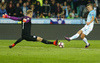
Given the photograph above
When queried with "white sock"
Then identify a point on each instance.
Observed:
(74, 36)
(85, 40)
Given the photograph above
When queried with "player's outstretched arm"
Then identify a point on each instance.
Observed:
(10, 17)
(96, 20)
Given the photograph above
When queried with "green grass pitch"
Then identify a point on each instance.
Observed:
(37, 52)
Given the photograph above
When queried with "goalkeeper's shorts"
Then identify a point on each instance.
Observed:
(30, 38)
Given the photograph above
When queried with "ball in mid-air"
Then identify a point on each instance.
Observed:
(61, 44)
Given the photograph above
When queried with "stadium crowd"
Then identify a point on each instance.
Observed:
(69, 9)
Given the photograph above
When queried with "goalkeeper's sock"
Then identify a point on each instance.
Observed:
(85, 40)
(46, 42)
(19, 40)
(13, 45)
(74, 36)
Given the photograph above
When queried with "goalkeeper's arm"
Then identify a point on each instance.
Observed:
(15, 18)
(10, 17)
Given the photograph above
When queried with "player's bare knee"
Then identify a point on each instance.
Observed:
(79, 32)
(39, 39)
(81, 37)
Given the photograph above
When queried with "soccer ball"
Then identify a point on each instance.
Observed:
(61, 44)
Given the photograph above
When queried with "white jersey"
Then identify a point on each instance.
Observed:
(88, 28)
(89, 18)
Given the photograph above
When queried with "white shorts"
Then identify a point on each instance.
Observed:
(86, 29)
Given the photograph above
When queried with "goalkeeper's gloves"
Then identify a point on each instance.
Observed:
(5, 16)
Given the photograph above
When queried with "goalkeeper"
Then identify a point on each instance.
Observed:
(26, 30)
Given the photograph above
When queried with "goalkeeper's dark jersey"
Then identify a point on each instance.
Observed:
(26, 26)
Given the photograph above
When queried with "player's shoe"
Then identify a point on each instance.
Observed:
(67, 38)
(11, 45)
(55, 42)
(87, 46)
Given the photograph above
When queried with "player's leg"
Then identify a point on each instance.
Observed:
(35, 38)
(19, 40)
(74, 36)
(85, 33)
(85, 40)
(47, 42)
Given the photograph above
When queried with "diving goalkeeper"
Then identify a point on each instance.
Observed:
(26, 30)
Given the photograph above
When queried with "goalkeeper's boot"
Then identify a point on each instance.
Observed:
(11, 45)
(55, 42)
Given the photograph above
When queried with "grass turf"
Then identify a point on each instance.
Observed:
(37, 52)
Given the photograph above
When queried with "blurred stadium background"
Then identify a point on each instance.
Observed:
(73, 12)
(68, 9)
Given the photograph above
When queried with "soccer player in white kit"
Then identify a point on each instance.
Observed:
(87, 28)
